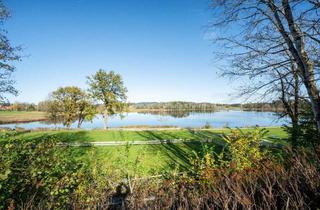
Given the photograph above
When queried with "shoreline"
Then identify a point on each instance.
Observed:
(139, 128)
(2, 122)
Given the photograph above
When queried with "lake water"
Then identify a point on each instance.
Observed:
(185, 119)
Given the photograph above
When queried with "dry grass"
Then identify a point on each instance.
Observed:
(293, 184)
(21, 116)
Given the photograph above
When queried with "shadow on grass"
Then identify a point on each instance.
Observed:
(154, 135)
(67, 136)
(178, 154)
(205, 135)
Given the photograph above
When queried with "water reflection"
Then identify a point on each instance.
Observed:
(171, 113)
(179, 118)
(54, 121)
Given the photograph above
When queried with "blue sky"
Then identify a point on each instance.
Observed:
(160, 47)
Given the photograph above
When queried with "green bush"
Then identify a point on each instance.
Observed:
(203, 161)
(38, 169)
(243, 148)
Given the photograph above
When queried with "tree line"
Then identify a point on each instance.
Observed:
(19, 106)
(274, 106)
(175, 105)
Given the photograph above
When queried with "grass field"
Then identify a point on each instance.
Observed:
(141, 159)
(142, 135)
(21, 116)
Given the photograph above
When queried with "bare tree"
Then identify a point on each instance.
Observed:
(265, 37)
(7, 56)
(289, 89)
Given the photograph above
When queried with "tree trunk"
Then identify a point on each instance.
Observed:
(105, 121)
(295, 118)
(313, 94)
(79, 123)
(295, 132)
(296, 45)
(304, 63)
(291, 109)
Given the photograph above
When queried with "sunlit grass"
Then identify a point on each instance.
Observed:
(141, 159)
(143, 135)
(21, 116)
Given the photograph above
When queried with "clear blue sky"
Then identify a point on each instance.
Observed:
(159, 47)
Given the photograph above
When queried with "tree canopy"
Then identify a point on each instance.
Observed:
(70, 104)
(108, 88)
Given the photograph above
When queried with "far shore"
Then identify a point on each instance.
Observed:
(11, 117)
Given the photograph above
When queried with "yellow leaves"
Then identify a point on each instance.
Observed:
(203, 162)
(244, 148)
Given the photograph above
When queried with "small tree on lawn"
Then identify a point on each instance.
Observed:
(71, 104)
(108, 88)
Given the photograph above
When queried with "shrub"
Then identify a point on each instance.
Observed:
(207, 126)
(38, 170)
(243, 149)
(202, 161)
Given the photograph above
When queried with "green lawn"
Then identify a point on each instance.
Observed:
(142, 135)
(140, 159)
(21, 116)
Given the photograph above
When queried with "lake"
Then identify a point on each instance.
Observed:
(180, 119)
